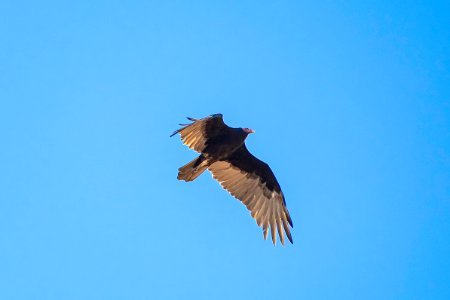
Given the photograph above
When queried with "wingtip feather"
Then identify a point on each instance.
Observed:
(290, 239)
(280, 231)
(289, 218)
(286, 229)
(273, 233)
(289, 236)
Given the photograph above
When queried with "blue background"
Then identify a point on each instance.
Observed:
(351, 106)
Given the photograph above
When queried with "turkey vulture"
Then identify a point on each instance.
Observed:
(223, 152)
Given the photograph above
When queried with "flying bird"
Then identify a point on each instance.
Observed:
(223, 152)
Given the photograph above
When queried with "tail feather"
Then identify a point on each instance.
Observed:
(193, 169)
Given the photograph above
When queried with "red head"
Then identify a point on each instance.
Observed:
(248, 130)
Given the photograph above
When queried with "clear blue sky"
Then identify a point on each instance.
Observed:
(350, 101)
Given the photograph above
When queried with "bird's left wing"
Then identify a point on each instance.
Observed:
(252, 182)
(196, 134)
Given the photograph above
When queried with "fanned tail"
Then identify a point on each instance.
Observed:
(193, 169)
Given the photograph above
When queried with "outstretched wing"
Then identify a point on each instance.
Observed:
(196, 135)
(252, 182)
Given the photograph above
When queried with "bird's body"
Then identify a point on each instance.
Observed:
(223, 152)
(221, 146)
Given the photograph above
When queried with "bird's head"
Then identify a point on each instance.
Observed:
(248, 130)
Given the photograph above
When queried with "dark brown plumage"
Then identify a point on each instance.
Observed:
(223, 152)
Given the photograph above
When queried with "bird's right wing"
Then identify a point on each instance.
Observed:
(252, 182)
(195, 135)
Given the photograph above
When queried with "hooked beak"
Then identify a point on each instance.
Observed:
(248, 130)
